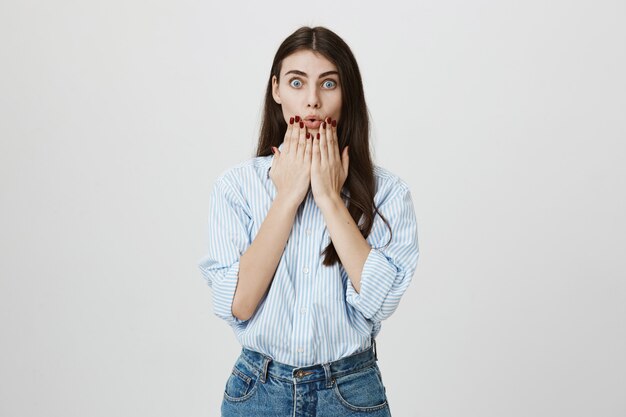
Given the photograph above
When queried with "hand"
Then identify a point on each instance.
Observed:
(329, 170)
(291, 167)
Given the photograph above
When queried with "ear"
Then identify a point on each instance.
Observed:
(275, 92)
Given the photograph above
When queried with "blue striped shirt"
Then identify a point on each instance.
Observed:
(311, 313)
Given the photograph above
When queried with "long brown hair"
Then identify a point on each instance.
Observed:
(353, 127)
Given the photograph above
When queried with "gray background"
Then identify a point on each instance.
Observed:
(506, 118)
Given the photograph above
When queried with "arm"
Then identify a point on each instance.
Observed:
(258, 264)
(290, 174)
(378, 276)
(329, 171)
(239, 271)
(388, 269)
(228, 225)
(350, 245)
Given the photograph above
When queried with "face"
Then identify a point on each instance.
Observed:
(309, 88)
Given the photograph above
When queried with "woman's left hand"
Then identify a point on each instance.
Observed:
(329, 168)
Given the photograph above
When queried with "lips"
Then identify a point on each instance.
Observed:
(312, 121)
(312, 124)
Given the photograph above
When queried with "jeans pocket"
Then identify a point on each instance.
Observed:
(241, 384)
(362, 390)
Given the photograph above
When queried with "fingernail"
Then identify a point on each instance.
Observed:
(274, 150)
(334, 123)
(318, 135)
(308, 135)
(323, 125)
(301, 125)
(291, 121)
(297, 119)
(328, 119)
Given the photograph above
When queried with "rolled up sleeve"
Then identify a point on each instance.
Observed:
(228, 239)
(390, 265)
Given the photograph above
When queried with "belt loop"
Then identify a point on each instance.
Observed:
(329, 379)
(266, 364)
(374, 349)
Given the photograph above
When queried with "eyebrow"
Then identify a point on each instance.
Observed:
(324, 74)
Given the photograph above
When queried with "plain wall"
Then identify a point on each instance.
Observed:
(506, 119)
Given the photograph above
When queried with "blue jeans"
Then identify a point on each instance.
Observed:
(260, 386)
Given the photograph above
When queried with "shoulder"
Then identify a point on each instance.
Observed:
(389, 185)
(245, 173)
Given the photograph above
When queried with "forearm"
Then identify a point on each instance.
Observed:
(350, 245)
(258, 264)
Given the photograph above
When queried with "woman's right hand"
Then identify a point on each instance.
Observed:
(291, 167)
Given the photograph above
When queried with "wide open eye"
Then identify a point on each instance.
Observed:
(329, 83)
(294, 82)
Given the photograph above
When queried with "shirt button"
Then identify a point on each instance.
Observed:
(300, 350)
(302, 310)
(308, 232)
(305, 270)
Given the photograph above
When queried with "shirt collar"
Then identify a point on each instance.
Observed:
(267, 161)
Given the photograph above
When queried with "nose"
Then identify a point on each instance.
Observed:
(313, 98)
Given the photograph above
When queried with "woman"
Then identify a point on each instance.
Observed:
(311, 246)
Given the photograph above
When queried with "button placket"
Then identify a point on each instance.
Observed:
(307, 235)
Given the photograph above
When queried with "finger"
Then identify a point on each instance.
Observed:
(336, 140)
(315, 151)
(298, 131)
(333, 146)
(302, 140)
(323, 146)
(327, 142)
(345, 160)
(308, 150)
(286, 139)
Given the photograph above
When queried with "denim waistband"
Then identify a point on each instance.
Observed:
(298, 375)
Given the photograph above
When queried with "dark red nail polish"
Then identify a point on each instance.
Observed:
(308, 135)
(318, 135)
(291, 121)
(274, 150)
(297, 119)
(301, 125)
(334, 123)
(323, 125)
(328, 119)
